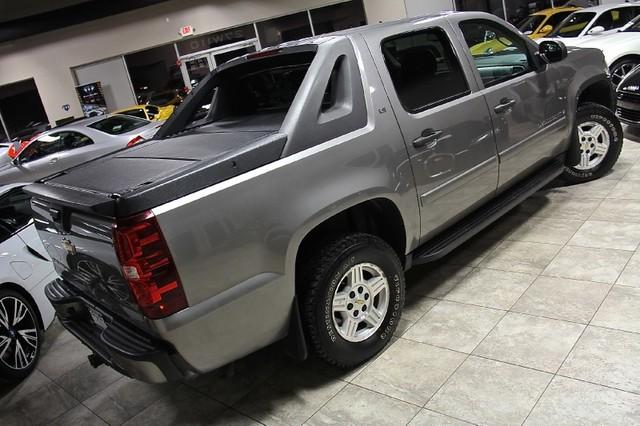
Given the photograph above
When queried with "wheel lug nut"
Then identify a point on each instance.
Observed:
(355, 313)
(360, 290)
(352, 294)
(364, 308)
(350, 306)
(366, 296)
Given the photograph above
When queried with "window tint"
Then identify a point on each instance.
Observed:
(615, 18)
(505, 59)
(119, 124)
(53, 143)
(15, 211)
(424, 69)
(531, 24)
(557, 18)
(573, 25)
(138, 112)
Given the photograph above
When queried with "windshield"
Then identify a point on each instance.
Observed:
(633, 26)
(119, 124)
(531, 24)
(573, 25)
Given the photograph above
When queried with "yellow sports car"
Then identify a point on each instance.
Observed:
(148, 112)
(537, 25)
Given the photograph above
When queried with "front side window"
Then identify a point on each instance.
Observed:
(555, 19)
(424, 69)
(531, 24)
(616, 18)
(573, 25)
(15, 211)
(42, 147)
(500, 63)
(73, 140)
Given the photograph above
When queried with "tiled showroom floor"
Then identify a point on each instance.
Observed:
(536, 321)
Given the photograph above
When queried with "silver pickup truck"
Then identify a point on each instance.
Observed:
(289, 193)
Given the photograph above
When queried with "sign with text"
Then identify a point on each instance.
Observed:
(187, 30)
(220, 38)
(92, 99)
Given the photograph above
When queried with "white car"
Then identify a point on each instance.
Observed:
(595, 21)
(25, 268)
(621, 49)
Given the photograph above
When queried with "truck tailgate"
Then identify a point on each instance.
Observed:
(81, 248)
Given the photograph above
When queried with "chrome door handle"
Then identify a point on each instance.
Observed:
(429, 137)
(505, 105)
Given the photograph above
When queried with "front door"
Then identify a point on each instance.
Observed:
(527, 106)
(445, 124)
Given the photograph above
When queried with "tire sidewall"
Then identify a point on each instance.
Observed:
(611, 124)
(9, 374)
(328, 335)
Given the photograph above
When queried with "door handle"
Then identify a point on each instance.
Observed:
(429, 136)
(53, 160)
(505, 105)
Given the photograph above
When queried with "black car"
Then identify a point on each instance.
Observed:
(628, 109)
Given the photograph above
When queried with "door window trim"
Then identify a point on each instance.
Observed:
(456, 56)
(481, 83)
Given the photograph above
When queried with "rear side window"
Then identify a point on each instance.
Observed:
(119, 124)
(424, 69)
(557, 18)
(616, 18)
(263, 86)
(573, 25)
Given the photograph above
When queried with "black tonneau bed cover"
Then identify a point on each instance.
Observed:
(137, 179)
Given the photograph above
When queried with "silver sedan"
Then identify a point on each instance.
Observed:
(66, 146)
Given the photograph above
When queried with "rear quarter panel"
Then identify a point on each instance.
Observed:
(235, 243)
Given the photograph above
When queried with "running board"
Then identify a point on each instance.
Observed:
(445, 242)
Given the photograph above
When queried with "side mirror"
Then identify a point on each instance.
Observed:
(596, 30)
(528, 32)
(553, 51)
(546, 29)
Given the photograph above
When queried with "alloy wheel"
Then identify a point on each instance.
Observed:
(620, 72)
(594, 143)
(360, 302)
(18, 334)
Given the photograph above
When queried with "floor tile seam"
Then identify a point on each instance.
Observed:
(610, 289)
(67, 410)
(578, 379)
(464, 361)
(327, 401)
(447, 415)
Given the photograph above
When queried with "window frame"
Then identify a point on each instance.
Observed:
(498, 81)
(456, 56)
(13, 232)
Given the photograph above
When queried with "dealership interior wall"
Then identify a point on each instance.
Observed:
(106, 50)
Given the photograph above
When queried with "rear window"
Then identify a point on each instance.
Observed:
(138, 112)
(263, 86)
(119, 124)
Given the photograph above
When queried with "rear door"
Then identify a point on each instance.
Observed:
(527, 103)
(445, 122)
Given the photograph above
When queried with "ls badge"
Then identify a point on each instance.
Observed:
(69, 247)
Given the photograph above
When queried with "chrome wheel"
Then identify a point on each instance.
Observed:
(18, 334)
(594, 144)
(620, 72)
(360, 302)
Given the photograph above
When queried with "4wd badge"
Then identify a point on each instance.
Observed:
(69, 247)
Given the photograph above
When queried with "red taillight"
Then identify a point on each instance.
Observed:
(135, 141)
(148, 266)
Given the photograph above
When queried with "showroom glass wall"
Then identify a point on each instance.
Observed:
(21, 110)
(160, 73)
(515, 11)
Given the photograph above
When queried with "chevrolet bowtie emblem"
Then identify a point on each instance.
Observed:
(69, 247)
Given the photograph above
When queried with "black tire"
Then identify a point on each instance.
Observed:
(621, 67)
(591, 112)
(9, 373)
(323, 276)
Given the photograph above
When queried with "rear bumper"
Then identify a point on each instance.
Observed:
(114, 341)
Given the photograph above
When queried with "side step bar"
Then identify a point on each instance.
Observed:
(445, 242)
